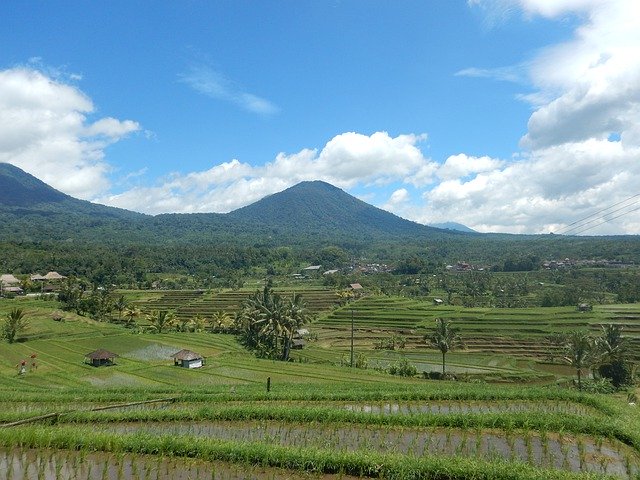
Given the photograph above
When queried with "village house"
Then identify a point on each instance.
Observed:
(10, 284)
(187, 359)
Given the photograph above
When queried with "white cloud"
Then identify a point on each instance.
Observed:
(205, 80)
(45, 131)
(545, 191)
(397, 200)
(583, 139)
(506, 74)
(346, 160)
(587, 87)
(461, 165)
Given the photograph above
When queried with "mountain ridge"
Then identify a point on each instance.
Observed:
(306, 212)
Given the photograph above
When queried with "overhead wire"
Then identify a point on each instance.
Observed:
(582, 225)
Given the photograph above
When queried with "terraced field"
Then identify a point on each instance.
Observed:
(401, 431)
(146, 418)
(189, 304)
(517, 332)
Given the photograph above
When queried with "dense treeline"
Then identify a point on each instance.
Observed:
(129, 264)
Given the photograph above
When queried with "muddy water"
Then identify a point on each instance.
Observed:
(65, 465)
(579, 453)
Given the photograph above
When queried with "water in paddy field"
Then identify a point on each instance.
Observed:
(576, 453)
(18, 464)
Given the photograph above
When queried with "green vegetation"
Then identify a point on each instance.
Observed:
(267, 323)
(14, 324)
(445, 338)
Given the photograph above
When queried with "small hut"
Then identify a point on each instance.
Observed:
(187, 359)
(585, 307)
(100, 357)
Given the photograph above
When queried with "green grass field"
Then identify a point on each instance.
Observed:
(508, 416)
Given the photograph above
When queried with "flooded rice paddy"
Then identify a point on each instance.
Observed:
(19, 464)
(577, 453)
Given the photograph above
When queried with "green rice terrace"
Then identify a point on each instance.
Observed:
(512, 413)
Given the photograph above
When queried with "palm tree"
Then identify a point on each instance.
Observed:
(268, 323)
(15, 322)
(580, 353)
(445, 338)
(614, 362)
(220, 321)
(296, 315)
(161, 319)
(121, 304)
(131, 313)
(613, 346)
(199, 323)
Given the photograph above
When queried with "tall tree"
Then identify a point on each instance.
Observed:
(296, 315)
(131, 313)
(445, 338)
(268, 322)
(14, 324)
(121, 304)
(614, 362)
(580, 352)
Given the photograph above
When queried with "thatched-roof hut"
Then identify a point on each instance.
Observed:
(188, 359)
(100, 357)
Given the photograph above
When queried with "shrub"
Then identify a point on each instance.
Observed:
(403, 368)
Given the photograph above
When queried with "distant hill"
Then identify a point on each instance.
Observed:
(307, 213)
(23, 193)
(458, 227)
(32, 210)
(320, 209)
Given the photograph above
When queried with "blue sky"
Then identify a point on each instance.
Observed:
(518, 116)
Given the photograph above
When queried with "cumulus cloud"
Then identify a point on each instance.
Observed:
(397, 200)
(205, 80)
(544, 191)
(45, 131)
(346, 160)
(461, 165)
(582, 146)
(593, 80)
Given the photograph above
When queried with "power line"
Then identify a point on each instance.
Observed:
(607, 220)
(600, 215)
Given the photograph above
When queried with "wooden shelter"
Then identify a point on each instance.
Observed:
(187, 359)
(100, 357)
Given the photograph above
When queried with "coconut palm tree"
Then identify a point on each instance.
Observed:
(131, 313)
(268, 323)
(15, 323)
(220, 321)
(121, 304)
(445, 338)
(296, 315)
(161, 320)
(580, 352)
(614, 362)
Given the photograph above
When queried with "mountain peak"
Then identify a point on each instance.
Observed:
(319, 208)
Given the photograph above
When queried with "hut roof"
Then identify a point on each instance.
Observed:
(185, 354)
(54, 276)
(8, 279)
(356, 286)
(101, 354)
(36, 277)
